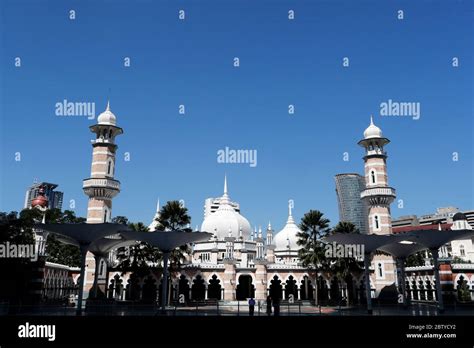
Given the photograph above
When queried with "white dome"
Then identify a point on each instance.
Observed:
(225, 218)
(372, 131)
(107, 117)
(286, 239)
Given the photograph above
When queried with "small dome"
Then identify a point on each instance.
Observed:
(459, 217)
(287, 239)
(107, 117)
(372, 131)
(40, 201)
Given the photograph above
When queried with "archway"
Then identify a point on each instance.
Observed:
(198, 290)
(214, 288)
(275, 288)
(306, 289)
(183, 287)
(149, 290)
(245, 288)
(291, 288)
(335, 291)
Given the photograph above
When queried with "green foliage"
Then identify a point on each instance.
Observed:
(415, 260)
(313, 227)
(463, 290)
(345, 227)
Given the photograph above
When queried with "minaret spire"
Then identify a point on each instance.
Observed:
(158, 205)
(108, 105)
(371, 120)
(225, 184)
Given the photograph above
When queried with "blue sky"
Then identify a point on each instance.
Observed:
(282, 62)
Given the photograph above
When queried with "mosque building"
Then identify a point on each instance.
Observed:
(237, 262)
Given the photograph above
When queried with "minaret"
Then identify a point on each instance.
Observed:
(101, 187)
(377, 194)
(269, 235)
(154, 224)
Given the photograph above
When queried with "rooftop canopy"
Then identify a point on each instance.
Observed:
(166, 241)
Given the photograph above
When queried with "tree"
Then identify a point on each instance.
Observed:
(57, 252)
(345, 227)
(313, 227)
(344, 267)
(138, 258)
(174, 216)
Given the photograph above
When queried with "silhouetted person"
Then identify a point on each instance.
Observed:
(251, 306)
(269, 305)
(276, 307)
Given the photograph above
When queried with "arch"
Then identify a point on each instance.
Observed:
(291, 287)
(183, 287)
(275, 288)
(198, 289)
(245, 288)
(214, 288)
(306, 288)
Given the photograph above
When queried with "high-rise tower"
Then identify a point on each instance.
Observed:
(101, 187)
(352, 208)
(377, 194)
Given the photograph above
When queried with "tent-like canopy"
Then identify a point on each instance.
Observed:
(83, 235)
(401, 246)
(166, 241)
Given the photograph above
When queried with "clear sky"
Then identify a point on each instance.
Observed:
(282, 62)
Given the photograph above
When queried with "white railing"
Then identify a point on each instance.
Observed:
(385, 191)
(99, 182)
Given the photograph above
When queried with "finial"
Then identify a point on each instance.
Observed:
(158, 205)
(108, 105)
(225, 184)
(371, 120)
(269, 225)
(290, 205)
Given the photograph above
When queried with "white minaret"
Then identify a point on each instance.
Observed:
(378, 195)
(154, 224)
(101, 187)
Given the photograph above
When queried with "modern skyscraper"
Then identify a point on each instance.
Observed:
(55, 198)
(351, 207)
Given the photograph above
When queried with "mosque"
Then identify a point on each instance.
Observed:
(237, 262)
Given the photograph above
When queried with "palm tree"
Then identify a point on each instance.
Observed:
(138, 258)
(174, 216)
(343, 268)
(313, 227)
(345, 227)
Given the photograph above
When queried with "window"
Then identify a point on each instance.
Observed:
(461, 250)
(380, 269)
(376, 222)
(105, 215)
(372, 176)
(108, 168)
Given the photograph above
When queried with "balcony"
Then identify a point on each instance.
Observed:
(383, 196)
(101, 188)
